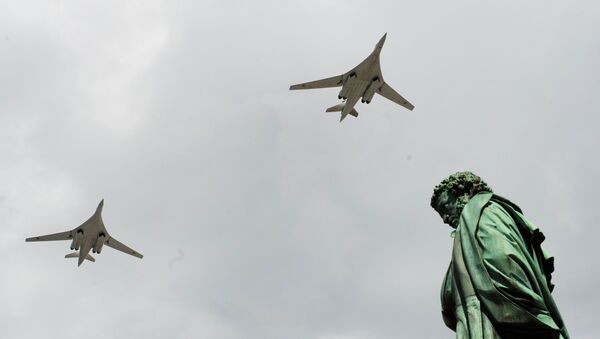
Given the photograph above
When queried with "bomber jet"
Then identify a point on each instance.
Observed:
(361, 82)
(91, 235)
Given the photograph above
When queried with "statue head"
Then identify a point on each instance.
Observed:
(453, 193)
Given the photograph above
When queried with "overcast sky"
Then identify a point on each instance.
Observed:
(259, 215)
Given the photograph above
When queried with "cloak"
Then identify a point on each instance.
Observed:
(498, 284)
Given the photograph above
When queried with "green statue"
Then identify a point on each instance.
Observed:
(498, 283)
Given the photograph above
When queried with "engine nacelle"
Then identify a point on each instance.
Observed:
(370, 92)
(77, 239)
(348, 80)
(343, 93)
(99, 243)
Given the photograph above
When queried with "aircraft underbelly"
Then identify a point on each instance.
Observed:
(365, 76)
(356, 87)
(84, 251)
(355, 94)
(368, 71)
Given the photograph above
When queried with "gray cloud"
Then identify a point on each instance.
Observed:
(293, 225)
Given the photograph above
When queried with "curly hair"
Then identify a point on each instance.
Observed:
(462, 184)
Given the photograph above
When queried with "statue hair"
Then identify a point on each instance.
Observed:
(463, 185)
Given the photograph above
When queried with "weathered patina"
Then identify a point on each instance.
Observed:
(498, 284)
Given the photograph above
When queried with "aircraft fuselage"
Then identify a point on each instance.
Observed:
(91, 235)
(361, 82)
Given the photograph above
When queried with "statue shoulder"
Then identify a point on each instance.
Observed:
(497, 217)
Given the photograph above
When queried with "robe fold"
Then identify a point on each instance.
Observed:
(498, 284)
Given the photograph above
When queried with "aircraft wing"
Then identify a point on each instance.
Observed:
(117, 245)
(68, 235)
(390, 94)
(335, 81)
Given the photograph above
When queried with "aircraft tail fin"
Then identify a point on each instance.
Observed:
(340, 108)
(76, 255)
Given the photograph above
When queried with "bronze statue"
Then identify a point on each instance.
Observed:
(498, 283)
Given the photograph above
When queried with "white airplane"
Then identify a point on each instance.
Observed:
(90, 235)
(363, 81)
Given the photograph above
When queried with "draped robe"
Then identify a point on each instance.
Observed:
(498, 284)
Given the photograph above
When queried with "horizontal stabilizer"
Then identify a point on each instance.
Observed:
(336, 108)
(340, 108)
(76, 255)
(353, 113)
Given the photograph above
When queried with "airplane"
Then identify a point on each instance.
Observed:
(91, 235)
(363, 81)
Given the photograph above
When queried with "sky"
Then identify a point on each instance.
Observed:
(259, 215)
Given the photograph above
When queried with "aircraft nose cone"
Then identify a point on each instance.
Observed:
(100, 206)
(379, 45)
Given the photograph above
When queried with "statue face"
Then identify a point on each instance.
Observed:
(449, 207)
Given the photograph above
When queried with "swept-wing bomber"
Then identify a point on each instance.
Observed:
(91, 235)
(361, 82)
